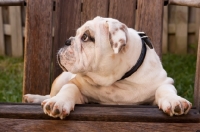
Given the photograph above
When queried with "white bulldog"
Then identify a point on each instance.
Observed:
(109, 63)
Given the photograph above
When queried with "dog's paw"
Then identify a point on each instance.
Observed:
(174, 105)
(33, 98)
(57, 107)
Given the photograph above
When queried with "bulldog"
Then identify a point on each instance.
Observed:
(109, 63)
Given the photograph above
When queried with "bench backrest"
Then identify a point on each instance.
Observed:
(61, 18)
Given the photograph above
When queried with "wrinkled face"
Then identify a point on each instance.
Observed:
(92, 47)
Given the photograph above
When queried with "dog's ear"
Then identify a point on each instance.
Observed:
(117, 36)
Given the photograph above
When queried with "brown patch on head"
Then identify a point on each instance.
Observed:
(115, 45)
(116, 29)
(111, 41)
(123, 28)
(122, 41)
(123, 48)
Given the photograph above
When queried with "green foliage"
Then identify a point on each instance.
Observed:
(182, 69)
(11, 74)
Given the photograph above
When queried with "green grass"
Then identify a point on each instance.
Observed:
(180, 67)
(11, 74)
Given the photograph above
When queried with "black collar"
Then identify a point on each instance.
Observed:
(145, 41)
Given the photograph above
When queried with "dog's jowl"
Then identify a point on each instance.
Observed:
(109, 63)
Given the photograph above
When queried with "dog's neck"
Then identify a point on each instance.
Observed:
(125, 61)
(145, 41)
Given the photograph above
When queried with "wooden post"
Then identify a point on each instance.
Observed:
(192, 3)
(181, 29)
(68, 19)
(38, 47)
(197, 23)
(149, 19)
(197, 79)
(16, 31)
(2, 46)
(123, 11)
(93, 8)
(165, 31)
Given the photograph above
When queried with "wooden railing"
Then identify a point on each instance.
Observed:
(180, 32)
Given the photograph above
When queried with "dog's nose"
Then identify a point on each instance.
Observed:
(68, 42)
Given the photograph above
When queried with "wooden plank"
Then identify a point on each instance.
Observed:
(197, 79)
(16, 31)
(83, 126)
(90, 112)
(181, 21)
(67, 20)
(7, 30)
(2, 43)
(149, 19)
(124, 11)
(192, 3)
(12, 2)
(165, 31)
(93, 8)
(191, 29)
(38, 47)
(197, 26)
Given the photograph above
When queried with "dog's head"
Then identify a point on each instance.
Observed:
(93, 47)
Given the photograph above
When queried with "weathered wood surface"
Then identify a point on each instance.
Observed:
(165, 31)
(192, 3)
(2, 46)
(94, 117)
(197, 79)
(68, 16)
(181, 29)
(95, 112)
(22, 125)
(124, 11)
(149, 19)
(38, 47)
(93, 8)
(16, 31)
(12, 2)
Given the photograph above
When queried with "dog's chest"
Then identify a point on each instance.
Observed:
(126, 94)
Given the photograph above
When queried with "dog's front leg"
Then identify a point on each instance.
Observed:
(167, 99)
(61, 104)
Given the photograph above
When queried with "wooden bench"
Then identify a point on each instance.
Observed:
(60, 19)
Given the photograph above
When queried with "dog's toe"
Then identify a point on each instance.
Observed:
(175, 105)
(57, 108)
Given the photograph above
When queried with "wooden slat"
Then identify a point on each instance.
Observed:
(197, 79)
(124, 11)
(66, 22)
(16, 31)
(192, 3)
(90, 126)
(2, 46)
(191, 29)
(197, 24)
(165, 31)
(38, 46)
(93, 8)
(181, 29)
(12, 2)
(7, 30)
(149, 19)
(89, 112)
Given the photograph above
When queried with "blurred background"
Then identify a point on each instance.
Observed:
(179, 47)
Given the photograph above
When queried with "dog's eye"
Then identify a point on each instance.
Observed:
(84, 37)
